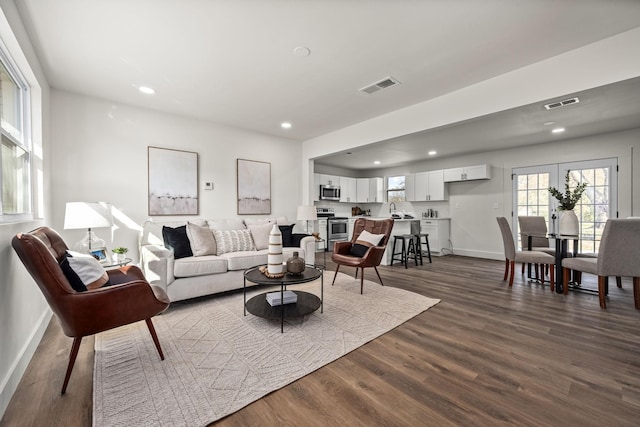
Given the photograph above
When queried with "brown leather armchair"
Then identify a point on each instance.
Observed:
(342, 250)
(129, 299)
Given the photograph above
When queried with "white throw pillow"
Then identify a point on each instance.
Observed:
(233, 241)
(260, 234)
(201, 239)
(88, 269)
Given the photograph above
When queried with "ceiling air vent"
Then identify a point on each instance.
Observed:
(562, 103)
(382, 84)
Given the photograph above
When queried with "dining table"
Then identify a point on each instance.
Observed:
(562, 251)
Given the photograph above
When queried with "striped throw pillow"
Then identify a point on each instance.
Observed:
(233, 241)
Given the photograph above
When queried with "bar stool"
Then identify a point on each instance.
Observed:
(407, 250)
(419, 242)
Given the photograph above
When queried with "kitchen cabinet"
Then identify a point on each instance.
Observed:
(438, 230)
(362, 190)
(376, 190)
(426, 186)
(369, 190)
(322, 229)
(333, 180)
(348, 189)
(467, 173)
(352, 221)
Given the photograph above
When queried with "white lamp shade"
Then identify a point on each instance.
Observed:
(87, 215)
(307, 213)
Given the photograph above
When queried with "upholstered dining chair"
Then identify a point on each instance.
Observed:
(619, 255)
(512, 256)
(363, 251)
(129, 299)
(537, 227)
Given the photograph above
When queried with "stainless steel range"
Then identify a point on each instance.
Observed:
(337, 230)
(337, 227)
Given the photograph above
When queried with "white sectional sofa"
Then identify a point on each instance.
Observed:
(214, 269)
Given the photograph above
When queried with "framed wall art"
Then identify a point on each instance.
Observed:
(254, 187)
(173, 182)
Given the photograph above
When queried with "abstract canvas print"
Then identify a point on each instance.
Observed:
(173, 182)
(254, 187)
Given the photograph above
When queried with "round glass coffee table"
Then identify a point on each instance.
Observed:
(306, 302)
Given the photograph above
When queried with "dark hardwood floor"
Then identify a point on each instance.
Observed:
(486, 355)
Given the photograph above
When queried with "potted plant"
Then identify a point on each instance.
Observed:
(566, 203)
(120, 251)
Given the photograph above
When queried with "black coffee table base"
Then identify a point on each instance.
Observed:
(306, 303)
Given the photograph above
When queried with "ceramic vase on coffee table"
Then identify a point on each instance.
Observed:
(274, 258)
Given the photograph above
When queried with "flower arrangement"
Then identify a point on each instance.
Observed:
(120, 250)
(569, 198)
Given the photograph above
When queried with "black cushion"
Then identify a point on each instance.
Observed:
(287, 235)
(358, 250)
(296, 238)
(176, 239)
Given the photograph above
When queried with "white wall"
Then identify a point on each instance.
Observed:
(101, 155)
(24, 313)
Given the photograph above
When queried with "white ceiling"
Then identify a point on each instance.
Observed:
(232, 61)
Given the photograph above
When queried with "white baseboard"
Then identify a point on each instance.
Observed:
(499, 256)
(19, 366)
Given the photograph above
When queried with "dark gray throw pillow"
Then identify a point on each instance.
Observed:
(177, 239)
(287, 235)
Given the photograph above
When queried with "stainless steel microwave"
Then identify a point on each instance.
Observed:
(329, 192)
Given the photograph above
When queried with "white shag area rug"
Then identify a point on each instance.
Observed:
(217, 360)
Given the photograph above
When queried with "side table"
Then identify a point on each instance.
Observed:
(112, 264)
(321, 244)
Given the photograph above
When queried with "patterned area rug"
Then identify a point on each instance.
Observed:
(217, 361)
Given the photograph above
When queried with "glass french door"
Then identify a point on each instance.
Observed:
(597, 205)
(531, 194)
(599, 202)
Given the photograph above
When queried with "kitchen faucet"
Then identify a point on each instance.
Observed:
(392, 207)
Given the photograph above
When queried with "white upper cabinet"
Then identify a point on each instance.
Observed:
(376, 190)
(348, 189)
(362, 191)
(426, 186)
(329, 180)
(467, 173)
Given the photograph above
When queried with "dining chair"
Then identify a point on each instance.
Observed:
(512, 255)
(619, 255)
(537, 228)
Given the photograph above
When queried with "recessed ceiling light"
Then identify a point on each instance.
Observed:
(285, 125)
(377, 162)
(558, 130)
(146, 90)
(432, 153)
(301, 51)
(549, 123)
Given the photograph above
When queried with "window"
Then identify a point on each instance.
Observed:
(396, 189)
(15, 153)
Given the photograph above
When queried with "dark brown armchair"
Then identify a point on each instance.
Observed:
(342, 251)
(129, 299)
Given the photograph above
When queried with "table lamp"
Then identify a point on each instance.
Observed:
(307, 213)
(88, 215)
